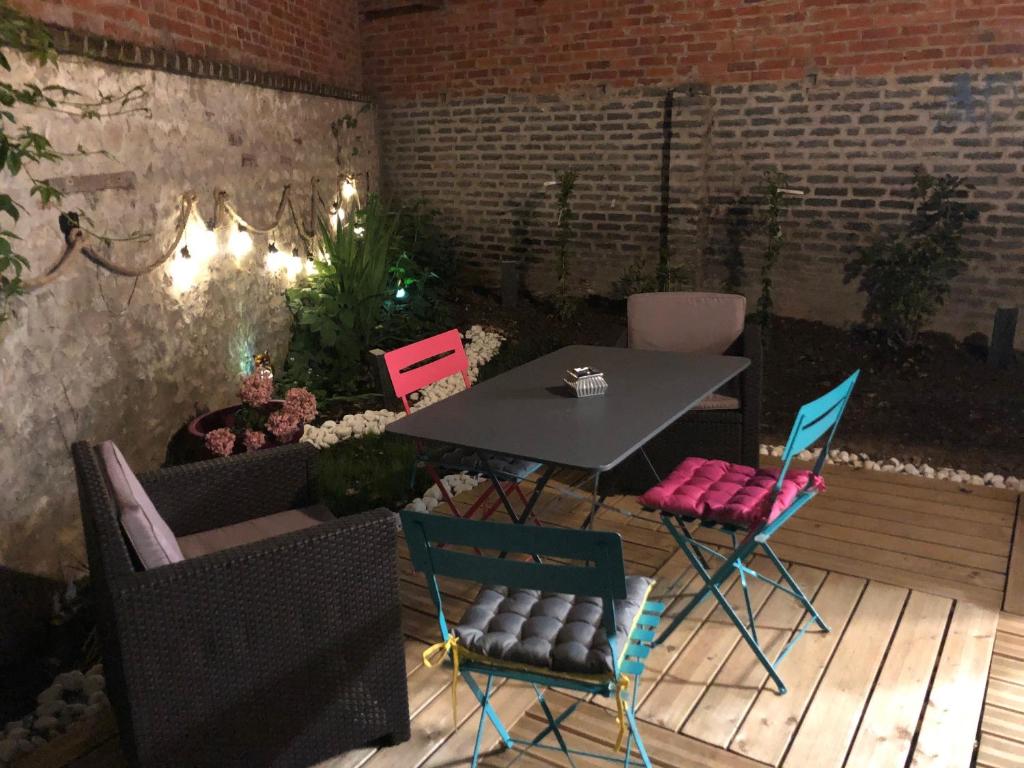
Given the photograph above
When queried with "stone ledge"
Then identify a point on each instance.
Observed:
(105, 49)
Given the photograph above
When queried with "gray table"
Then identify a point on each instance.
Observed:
(530, 414)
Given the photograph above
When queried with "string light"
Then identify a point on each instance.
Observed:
(348, 189)
(400, 293)
(240, 242)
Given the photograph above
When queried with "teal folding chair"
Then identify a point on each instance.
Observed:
(749, 505)
(582, 625)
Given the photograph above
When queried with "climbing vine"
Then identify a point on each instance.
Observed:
(23, 150)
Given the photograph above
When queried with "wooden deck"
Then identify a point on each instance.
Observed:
(921, 668)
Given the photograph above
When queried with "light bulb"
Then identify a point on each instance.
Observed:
(400, 293)
(201, 241)
(348, 190)
(240, 242)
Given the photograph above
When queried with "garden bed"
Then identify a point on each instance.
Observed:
(938, 403)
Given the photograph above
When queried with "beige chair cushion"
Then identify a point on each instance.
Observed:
(685, 321)
(148, 533)
(717, 402)
(208, 542)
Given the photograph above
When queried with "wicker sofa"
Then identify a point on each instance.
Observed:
(280, 652)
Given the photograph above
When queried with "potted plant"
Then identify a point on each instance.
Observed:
(259, 421)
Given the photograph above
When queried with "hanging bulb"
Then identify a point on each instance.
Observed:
(348, 189)
(183, 270)
(240, 242)
(400, 293)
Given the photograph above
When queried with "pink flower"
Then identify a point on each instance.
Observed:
(256, 390)
(302, 403)
(283, 425)
(220, 441)
(254, 440)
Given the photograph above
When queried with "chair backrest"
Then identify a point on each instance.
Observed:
(602, 574)
(815, 420)
(425, 362)
(685, 321)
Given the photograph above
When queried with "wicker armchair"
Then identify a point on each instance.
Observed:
(281, 653)
(728, 425)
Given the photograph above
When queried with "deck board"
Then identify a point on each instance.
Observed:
(910, 575)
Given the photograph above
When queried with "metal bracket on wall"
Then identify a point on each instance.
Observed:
(94, 182)
(373, 9)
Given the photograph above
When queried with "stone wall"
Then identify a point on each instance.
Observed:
(851, 144)
(95, 356)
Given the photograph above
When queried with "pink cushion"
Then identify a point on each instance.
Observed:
(150, 536)
(685, 321)
(727, 493)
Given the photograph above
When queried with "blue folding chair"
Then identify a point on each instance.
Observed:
(582, 626)
(754, 504)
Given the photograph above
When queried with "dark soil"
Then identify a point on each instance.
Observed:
(937, 403)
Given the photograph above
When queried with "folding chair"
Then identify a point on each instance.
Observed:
(583, 627)
(425, 362)
(754, 504)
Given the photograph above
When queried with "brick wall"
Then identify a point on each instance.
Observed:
(316, 40)
(852, 144)
(481, 46)
(481, 103)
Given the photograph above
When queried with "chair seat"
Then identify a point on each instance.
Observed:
(549, 631)
(717, 402)
(208, 542)
(468, 460)
(730, 494)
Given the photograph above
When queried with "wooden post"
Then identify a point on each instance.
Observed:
(509, 283)
(1000, 351)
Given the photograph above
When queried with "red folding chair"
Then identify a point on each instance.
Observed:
(427, 362)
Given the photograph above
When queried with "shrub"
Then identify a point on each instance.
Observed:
(368, 472)
(906, 275)
(640, 278)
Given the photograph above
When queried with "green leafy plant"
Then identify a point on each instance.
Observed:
(638, 277)
(367, 472)
(22, 148)
(774, 203)
(906, 275)
(565, 300)
(427, 244)
(339, 310)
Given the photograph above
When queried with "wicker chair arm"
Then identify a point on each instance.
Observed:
(219, 492)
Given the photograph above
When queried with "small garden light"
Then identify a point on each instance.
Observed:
(400, 293)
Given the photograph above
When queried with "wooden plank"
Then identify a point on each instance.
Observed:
(892, 715)
(679, 690)
(1014, 600)
(1006, 695)
(429, 729)
(924, 521)
(1002, 722)
(1012, 624)
(726, 701)
(901, 545)
(769, 725)
(510, 702)
(665, 748)
(989, 598)
(898, 527)
(898, 484)
(993, 512)
(997, 752)
(871, 555)
(831, 720)
(954, 705)
(1006, 668)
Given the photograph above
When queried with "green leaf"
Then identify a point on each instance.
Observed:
(7, 206)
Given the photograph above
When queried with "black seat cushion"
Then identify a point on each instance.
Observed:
(557, 632)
